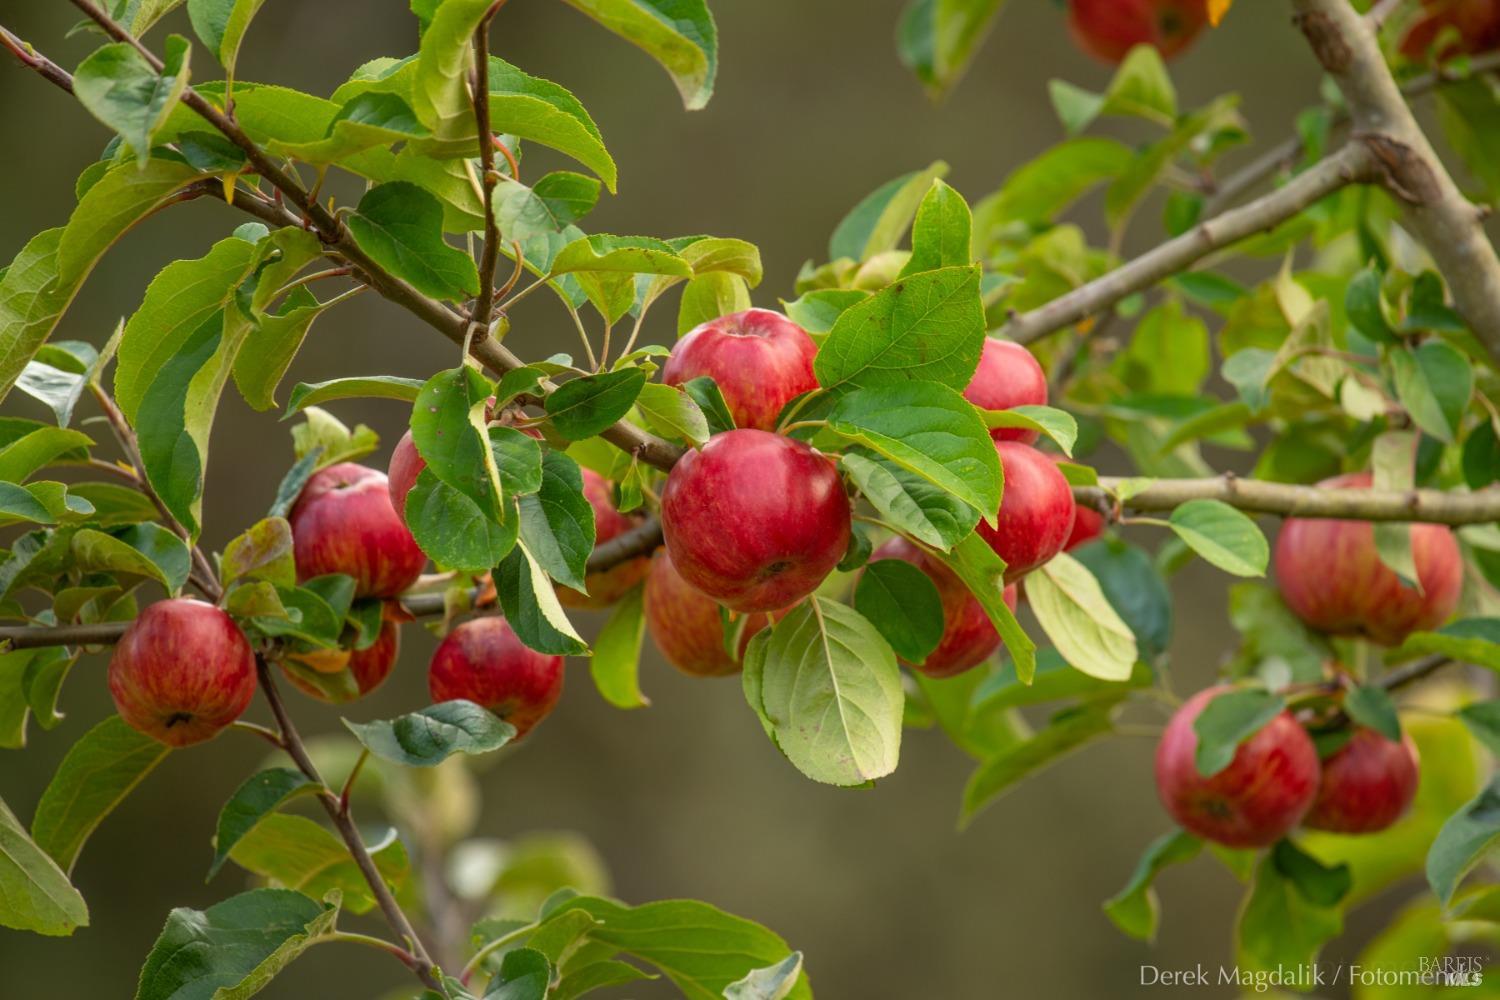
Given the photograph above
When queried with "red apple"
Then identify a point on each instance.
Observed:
(1368, 784)
(969, 638)
(406, 465)
(1008, 375)
(759, 358)
(182, 671)
(1475, 28)
(1332, 576)
(344, 522)
(1109, 29)
(687, 625)
(369, 666)
(608, 586)
(1036, 510)
(1266, 789)
(755, 520)
(483, 661)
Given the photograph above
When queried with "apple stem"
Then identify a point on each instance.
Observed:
(269, 735)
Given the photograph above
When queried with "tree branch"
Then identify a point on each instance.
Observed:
(642, 540)
(420, 963)
(1447, 223)
(332, 231)
(35, 60)
(1287, 500)
(1354, 163)
(1285, 154)
(484, 304)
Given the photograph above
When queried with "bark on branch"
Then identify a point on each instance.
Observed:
(1286, 500)
(1446, 222)
(1354, 163)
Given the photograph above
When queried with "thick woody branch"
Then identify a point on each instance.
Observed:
(334, 234)
(1286, 500)
(1446, 222)
(1352, 164)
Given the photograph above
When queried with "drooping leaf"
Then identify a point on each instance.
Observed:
(678, 34)
(903, 604)
(98, 772)
(121, 89)
(146, 550)
(1078, 618)
(38, 896)
(1066, 732)
(529, 600)
(1135, 909)
(1228, 720)
(615, 665)
(1464, 841)
(585, 406)
(1222, 536)
(827, 685)
(260, 795)
(401, 227)
(983, 573)
(938, 38)
(452, 529)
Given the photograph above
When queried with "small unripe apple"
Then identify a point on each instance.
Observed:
(760, 359)
(1475, 28)
(1368, 784)
(608, 586)
(406, 465)
(483, 661)
(344, 522)
(1008, 375)
(969, 638)
(1264, 792)
(755, 520)
(1332, 577)
(1109, 29)
(369, 666)
(1036, 510)
(687, 625)
(182, 671)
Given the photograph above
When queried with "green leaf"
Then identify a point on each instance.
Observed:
(1483, 720)
(100, 769)
(1066, 732)
(147, 550)
(588, 405)
(357, 387)
(774, 982)
(828, 687)
(606, 267)
(518, 459)
(1465, 839)
(1318, 883)
(1434, 383)
(451, 528)
(431, 736)
(927, 429)
(1223, 536)
(1373, 708)
(221, 26)
(365, 121)
(927, 326)
(983, 573)
(704, 391)
(701, 949)
(936, 39)
(37, 449)
(297, 853)
(709, 296)
(557, 522)
(1135, 909)
(672, 412)
(1470, 640)
(1364, 306)
(232, 949)
(1038, 190)
(448, 427)
(553, 204)
(940, 235)
(616, 662)
(38, 896)
(1135, 589)
(525, 974)
(401, 227)
(261, 795)
(903, 604)
(261, 552)
(678, 34)
(879, 221)
(1279, 927)
(530, 603)
(1058, 425)
(59, 389)
(121, 89)
(1228, 720)
(1073, 611)
(909, 502)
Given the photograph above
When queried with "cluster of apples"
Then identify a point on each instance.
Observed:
(1332, 577)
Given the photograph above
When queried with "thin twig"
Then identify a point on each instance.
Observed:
(484, 303)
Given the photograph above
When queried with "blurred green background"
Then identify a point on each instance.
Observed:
(687, 797)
